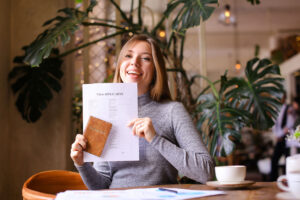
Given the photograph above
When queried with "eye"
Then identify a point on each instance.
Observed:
(146, 58)
(128, 56)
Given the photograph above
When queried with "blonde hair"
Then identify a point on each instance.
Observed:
(159, 88)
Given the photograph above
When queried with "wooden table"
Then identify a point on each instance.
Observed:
(258, 191)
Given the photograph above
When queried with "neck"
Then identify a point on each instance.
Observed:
(144, 99)
(142, 91)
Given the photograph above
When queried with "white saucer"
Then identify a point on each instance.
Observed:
(230, 185)
(285, 195)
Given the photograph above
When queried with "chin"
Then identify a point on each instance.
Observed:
(129, 80)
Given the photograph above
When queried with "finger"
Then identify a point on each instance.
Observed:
(139, 123)
(131, 122)
(75, 154)
(81, 137)
(76, 147)
(140, 132)
(136, 120)
(140, 126)
(81, 140)
(134, 129)
(148, 121)
(82, 144)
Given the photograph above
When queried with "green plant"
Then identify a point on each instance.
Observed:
(253, 101)
(34, 85)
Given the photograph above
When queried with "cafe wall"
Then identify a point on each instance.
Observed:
(30, 148)
(4, 114)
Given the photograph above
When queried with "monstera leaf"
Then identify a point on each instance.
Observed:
(34, 85)
(260, 92)
(64, 26)
(224, 122)
(190, 12)
(252, 101)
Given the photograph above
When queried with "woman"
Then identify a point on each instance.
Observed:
(169, 142)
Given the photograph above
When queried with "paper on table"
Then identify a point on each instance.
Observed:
(133, 194)
(115, 103)
(156, 193)
(92, 195)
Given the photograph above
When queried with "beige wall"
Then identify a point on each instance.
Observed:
(4, 67)
(30, 148)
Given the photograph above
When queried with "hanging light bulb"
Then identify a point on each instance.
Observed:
(227, 11)
(162, 34)
(238, 65)
(226, 16)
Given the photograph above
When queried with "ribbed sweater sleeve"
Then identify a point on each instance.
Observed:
(190, 157)
(95, 179)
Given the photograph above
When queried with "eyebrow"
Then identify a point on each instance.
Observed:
(141, 53)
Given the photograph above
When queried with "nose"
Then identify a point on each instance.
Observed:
(134, 61)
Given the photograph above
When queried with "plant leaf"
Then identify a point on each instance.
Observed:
(33, 86)
(260, 90)
(223, 121)
(191, 11)
(64, 26)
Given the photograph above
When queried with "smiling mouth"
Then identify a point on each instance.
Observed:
(134, 73)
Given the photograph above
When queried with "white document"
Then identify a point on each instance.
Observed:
(115, 103)
(136, 194)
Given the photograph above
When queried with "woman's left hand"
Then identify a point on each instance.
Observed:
(143, 127)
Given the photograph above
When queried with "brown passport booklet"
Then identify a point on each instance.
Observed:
(96, 133)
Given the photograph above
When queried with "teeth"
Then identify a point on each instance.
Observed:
(133, 72)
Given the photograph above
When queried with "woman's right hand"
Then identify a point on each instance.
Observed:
(77, 149)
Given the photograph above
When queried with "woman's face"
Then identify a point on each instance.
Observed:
(137, 66)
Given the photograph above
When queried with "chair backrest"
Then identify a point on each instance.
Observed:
(45, 185)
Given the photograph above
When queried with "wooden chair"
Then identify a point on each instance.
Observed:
(45, 185)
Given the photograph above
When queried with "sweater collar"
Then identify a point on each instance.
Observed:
(144, 99)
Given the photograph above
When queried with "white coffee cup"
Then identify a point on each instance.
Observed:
(293, 163)
(230, 174)
(293, 179)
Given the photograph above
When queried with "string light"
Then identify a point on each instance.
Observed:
(162, 33)
(226, 16)
(238, 65)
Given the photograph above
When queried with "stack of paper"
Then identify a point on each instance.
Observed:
(134, 194)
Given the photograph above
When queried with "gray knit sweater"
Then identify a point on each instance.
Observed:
(177, 147)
